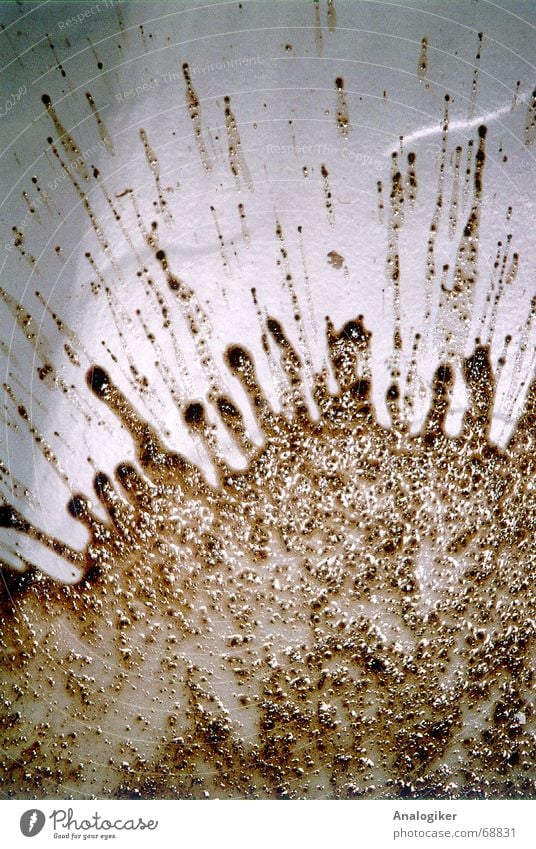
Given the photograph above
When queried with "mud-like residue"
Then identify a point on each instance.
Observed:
(350, 615)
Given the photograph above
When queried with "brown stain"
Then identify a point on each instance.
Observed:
(455, 195)
(328, 196)
(59, 66)
(468, 172)
(411, 179)
(504, 274)
(68, 143)
(103, 132)
(515, 96)
(319, 38)
(422, 66)
(243, 224)
(394, 225)
(381, 204)
(194, 111)
(436, 216)
(221, 241)
(459, 297)
(530, 120)
(474, 81)
(237, 160)
(268, 583)
(335, 259)
(331, 15)
(342, 113)
(351, 616)
(290, 287)
(154, 166)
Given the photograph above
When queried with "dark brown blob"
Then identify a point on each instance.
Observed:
(98, 381)
(276, 330)
(194, 414)
(355, 330)
(226, 408)
(10, 518)
(237, 357)
(77, 507)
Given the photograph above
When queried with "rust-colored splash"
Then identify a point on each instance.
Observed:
(351, 615)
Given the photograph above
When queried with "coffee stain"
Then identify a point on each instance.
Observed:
(349, 615)
(327, 194)
(311, 707)
(455, 196)
(237, 161)
(335, 259)
(515, 96)
(59, 66)
(434, 225)
(381, 205)
(422, 66)
(221, 240)
(343, 118)
(243, 224)
(152, 161)
(411, 179)
(474, 81)
(67, 142)
(460, 296)
(98, 62)
(194, 110)
(392, 265)
(103, 132)
(319, 38)
(331, 15)
(530, 120)
(468, 172)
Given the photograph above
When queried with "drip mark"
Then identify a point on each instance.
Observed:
(194, 110)
(343, 120)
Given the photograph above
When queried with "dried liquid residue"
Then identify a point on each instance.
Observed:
(474, 81)
(328, 196)
(237, 160)
(68, 143)
(194, 110)
(331, 16)
(343, 118)
(319, 38)
(309, 613)
(103, 132)
(351, 615)
(152, 162)
(530, 120)
(422, 66)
